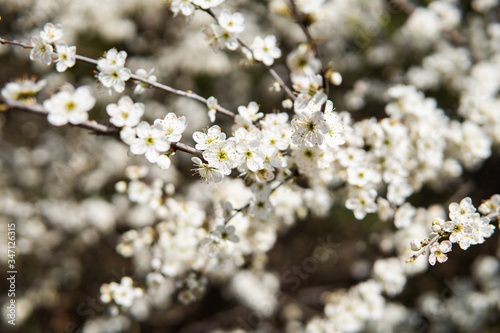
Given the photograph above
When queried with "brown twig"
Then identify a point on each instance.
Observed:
(161, 86)
(94, 126)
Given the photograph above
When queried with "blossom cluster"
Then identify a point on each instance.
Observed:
(465, 227)
(277, 156)
(49, 47)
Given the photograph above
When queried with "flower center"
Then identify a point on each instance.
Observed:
(222, 155)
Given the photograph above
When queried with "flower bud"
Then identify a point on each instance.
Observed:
(437, 228)
(415, 245)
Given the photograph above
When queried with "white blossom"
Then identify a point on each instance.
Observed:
(150, 141)
(125, 112)
(265, 50)
(69, 105)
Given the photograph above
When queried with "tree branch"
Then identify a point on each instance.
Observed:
(94, 126)
(164, 87)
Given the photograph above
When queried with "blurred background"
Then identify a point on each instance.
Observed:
(58, 184)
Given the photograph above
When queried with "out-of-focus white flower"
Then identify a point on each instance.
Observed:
(232, 22)
(302, 61)
(389, 272)
(23, 90)
(423, 25)
(362, 203)
(186, 7)
(483, 6)
(51, 33)
(123, 294)
(256, 291)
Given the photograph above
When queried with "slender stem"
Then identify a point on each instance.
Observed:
(94, 126)
(273, 73)
(164, 87)
(86, 59)
(15, 42)
(424, 249)
(38, 109)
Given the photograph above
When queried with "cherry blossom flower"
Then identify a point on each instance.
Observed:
(219, 38)
(227, 233)
(65, 56)
(173, 126)
(151, 141)
(309, 129)
(148, 75)
(232, 22)
(209, 173)
(125, 112)
(221, 154)
(163, 162)
(362, 203)
(203, 139)
(51, 33)
(438, 252)
(219, 238)
(335, 135)
(112, 73)
(310, 91)
(41, 50)
(186, 7)
(69, 105)
(265, 50)
(250, 112)
(251, 155)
